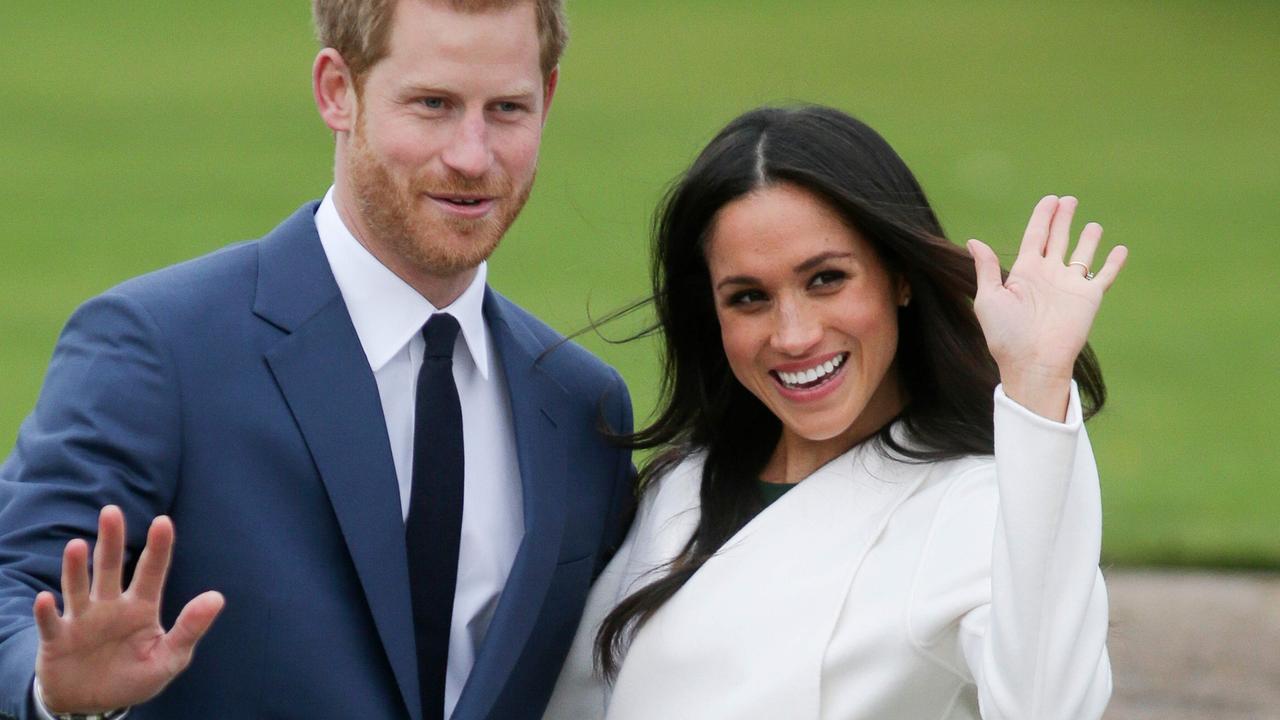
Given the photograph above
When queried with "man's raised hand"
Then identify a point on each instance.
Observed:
(107, 649)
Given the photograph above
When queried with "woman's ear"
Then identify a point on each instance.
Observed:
(903, 291)
(334, 91)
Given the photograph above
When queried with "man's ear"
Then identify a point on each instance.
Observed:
(549, 92)
(334, 90)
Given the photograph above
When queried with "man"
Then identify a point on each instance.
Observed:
(390, 483)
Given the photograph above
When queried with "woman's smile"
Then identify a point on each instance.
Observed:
(808, 381)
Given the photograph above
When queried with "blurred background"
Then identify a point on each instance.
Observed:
(134, 135)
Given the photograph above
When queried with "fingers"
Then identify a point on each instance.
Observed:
(1060, 228)
(45, 610)
(1110, 269)
(1087, 246)
(108, 554)
(1037, 232)
(75, 577)
(192, 624)
(153, 564)
(986, 265)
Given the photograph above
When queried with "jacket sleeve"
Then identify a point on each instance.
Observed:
(105, 430)
(1038, 648)
(580, 692)
(666, 517)
(622, 504)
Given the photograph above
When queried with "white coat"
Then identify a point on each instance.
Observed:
(876, 588)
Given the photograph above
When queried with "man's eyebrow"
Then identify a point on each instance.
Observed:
(415, 88)
(520, 91)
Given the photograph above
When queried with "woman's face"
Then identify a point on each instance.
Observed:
(808, 314)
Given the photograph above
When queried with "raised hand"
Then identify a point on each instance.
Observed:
(1037, 320)
(107, 650)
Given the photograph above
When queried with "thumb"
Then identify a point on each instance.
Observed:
(192, 624)
(986, 265)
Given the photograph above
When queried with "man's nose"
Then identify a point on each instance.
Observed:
(468, 152)
(796, 331)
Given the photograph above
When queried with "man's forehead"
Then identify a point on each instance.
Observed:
(431, 32)
(518, 18)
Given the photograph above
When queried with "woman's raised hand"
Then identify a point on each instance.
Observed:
(1037, 320)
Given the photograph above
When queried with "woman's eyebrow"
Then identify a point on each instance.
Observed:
(803, 267)
(820, 258)
(738, 280)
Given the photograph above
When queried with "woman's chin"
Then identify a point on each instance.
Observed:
(819, 429)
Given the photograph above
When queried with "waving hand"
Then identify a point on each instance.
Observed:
(108, 650)
(1037, 320)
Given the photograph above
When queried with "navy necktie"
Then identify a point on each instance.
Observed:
(434, 526)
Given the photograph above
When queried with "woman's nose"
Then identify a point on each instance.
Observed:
(796, 331)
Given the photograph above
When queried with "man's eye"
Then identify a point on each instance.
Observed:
(432, 103)
(509, 107)
(827, 277)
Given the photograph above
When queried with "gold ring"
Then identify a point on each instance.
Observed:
(1088, 275)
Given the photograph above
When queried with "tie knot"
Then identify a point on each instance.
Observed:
(440, 332)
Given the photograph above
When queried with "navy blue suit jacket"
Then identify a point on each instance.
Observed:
(232, 393)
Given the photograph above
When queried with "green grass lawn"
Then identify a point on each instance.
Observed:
(138, 134)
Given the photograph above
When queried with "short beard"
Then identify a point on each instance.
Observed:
(426, 239)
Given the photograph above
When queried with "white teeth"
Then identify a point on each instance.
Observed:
(805, 377)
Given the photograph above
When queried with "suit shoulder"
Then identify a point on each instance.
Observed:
(572, 365)
(223, 279)
(193, 284)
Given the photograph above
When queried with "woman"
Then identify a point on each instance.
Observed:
(837, 528)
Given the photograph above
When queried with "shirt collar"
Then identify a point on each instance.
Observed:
(385, 310)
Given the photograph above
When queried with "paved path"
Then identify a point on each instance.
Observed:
(1194, 645)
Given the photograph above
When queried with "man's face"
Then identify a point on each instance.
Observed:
(445, 147)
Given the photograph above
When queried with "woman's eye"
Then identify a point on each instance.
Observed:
(827, 278)
(746, 297)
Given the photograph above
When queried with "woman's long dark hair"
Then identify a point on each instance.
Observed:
(945, 369)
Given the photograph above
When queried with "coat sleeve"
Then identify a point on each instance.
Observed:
(104, 431)
(1038, 648)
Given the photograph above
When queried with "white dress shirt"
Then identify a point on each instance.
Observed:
(388, 316)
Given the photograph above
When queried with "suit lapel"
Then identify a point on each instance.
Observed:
(535, 397)
(325, 378)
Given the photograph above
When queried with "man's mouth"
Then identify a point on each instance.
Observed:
(464, 205)
(812, 377)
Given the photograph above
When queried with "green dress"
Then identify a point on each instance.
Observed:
(770, 492)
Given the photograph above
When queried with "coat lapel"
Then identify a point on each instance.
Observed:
(323, 373)
(535, 398)
(708, 647)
